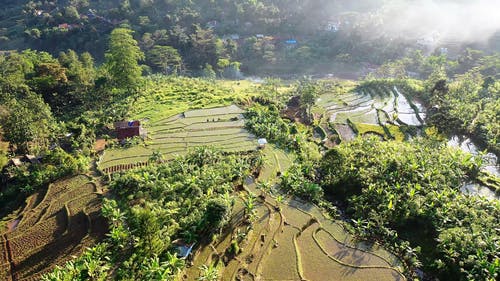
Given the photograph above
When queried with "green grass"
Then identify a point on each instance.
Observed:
(387, 131)
(364, 128)
(165, 96)
(275, 160)
(395, 132)
(4, 149)
(119, 156)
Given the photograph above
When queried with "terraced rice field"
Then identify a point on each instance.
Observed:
(221, 127)
(372, 108)
(52, 228)
(292, 240)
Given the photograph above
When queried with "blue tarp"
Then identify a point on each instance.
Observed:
(184, 251)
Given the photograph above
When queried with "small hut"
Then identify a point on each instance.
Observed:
(128, 129)
(183, 249)
(32, 159)
(15, 162)
(262, 143)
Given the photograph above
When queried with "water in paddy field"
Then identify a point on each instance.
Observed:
(489, 160)
(405, 111)
(477, 189)
(489, 165)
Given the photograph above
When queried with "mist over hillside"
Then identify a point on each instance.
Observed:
(449, 20)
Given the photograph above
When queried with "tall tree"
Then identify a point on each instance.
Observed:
(308, 92)
(205, 48)
(28, 123)
(165, 58)
(122, 59)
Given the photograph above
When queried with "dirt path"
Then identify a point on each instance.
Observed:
(10, 258)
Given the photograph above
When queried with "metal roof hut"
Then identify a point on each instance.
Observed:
(128, 129)
(32, 159)
(262, 142)
(15, 162)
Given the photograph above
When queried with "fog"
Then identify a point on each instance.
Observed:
(464, 21)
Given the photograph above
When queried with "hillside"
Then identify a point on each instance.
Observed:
(249, 140)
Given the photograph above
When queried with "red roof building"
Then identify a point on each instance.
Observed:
(129, 129)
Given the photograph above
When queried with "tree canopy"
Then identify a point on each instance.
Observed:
(122, 59)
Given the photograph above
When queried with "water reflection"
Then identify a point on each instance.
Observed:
(489, 165)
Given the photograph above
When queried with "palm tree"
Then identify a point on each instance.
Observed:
(157, 157)
(265, 186)
(250, 206)
(154, 269)
(208, 273)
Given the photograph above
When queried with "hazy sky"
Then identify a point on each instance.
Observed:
(456, 20)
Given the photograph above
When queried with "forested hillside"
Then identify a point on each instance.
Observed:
(283, 35)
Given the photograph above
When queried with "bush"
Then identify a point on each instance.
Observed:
(295, 180)
(31, 177)
(217, 214)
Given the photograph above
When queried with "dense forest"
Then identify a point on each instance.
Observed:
(186, 36)
(339, 124)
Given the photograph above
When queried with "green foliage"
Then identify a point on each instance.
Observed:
(468, 105)
(29, 124)
(165, 58)
(308, 92)
(298, 180)
(122, 59)
(250, 207)
(411, 191)
(186, 198)
(208, 273)
(266, 122)
(217, 214)
(93, 264)
(208, 72)
(28, 178)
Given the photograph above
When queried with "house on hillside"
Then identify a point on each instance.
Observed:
(129, 129)
(17, 162)
(291, 43)
(212, 24)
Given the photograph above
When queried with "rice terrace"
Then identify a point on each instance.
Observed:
(221, 127)
(290, 240)
(52, 228)
(372, 109)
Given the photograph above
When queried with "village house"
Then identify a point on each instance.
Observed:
(262, 143)
(129, 129)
